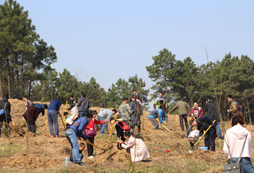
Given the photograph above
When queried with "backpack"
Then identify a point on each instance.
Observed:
(73, 117)
(239, 107)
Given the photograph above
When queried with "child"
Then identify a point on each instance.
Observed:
(91, 132)
(81, 148)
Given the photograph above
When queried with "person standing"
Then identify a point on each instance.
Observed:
(32, 114)
(5, 113)
(137, 112)
(74, 132)
(238, 144)
(29, 103)
(125, 112)
(72, 102)
(203, 124)
(196, 112)
(212, 112)
(182, 110)
(83, 105)
(234, 107)
(53, 111)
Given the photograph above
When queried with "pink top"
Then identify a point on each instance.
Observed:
(235, 137)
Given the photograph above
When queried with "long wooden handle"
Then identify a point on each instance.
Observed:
(112, 128)
(204, 134)
(163, 125)
(62, 121)
(92, 144)
(66, 106)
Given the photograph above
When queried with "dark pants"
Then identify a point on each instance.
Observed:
(3, 119)
(31, 127)
(53, 119)
(181, 118)
(210, 138)
(90, 147)
(155, 123)
(82, 114)
(119, 131)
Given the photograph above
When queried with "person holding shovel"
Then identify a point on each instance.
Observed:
(105, 114)
(203, 124)
(75, 131)
(53, 110)
(154, 115)
(91, 133)
(32, 114)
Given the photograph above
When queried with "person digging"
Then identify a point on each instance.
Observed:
(203, 124)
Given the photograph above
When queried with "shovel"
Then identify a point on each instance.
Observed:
(163, 125)
(111, 131)
(192, 147)
(62, 120)
(94, 145)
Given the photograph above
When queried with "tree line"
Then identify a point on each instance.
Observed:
(26, 59)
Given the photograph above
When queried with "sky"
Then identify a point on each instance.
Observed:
(116, 39)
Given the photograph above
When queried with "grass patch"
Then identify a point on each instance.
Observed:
(9, 149)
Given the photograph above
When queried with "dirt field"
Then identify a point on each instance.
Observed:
(44, 154)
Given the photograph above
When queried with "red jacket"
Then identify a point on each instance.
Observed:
(197, 113)
(93, 122)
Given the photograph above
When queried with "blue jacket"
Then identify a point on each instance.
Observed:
(78, 129)
(156, 113)
(40, 106)
(55, 105)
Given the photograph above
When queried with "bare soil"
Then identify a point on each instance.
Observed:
(40, 153)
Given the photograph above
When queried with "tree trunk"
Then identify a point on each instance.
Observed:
(1, 91)
(9, 78)
(17, 82)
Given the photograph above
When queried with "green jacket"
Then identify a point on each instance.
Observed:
(181, 106)
(125, 111)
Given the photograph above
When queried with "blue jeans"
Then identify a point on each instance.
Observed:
(166, 116)
(218, 129)
(53, 119)
(188, 131)
(102, 125)
(72, 138)
(245, 164)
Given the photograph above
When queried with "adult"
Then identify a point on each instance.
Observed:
(83, 105)
(32, 114)
(138, 149)
(105, 114)
(212, 112)
(196, 112)
(76, 131)
(5, 112)
(203, 124)
(91, 132)
(134, 93)
(72, 102)
(237, 144)
(182, 110)
(53, 111)
(29, 103)
(233, 106)
(154, 115)
(137, 112)
(125, 112)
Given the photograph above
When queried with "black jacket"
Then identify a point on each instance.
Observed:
(5, 104)
(212, 111)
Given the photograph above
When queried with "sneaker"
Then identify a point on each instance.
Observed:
(57, 136)
(52, 136)
(80, 163)
(91, 157)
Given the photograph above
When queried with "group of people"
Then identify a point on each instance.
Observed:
(237, 143)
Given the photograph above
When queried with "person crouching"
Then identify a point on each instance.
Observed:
(138, 149)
